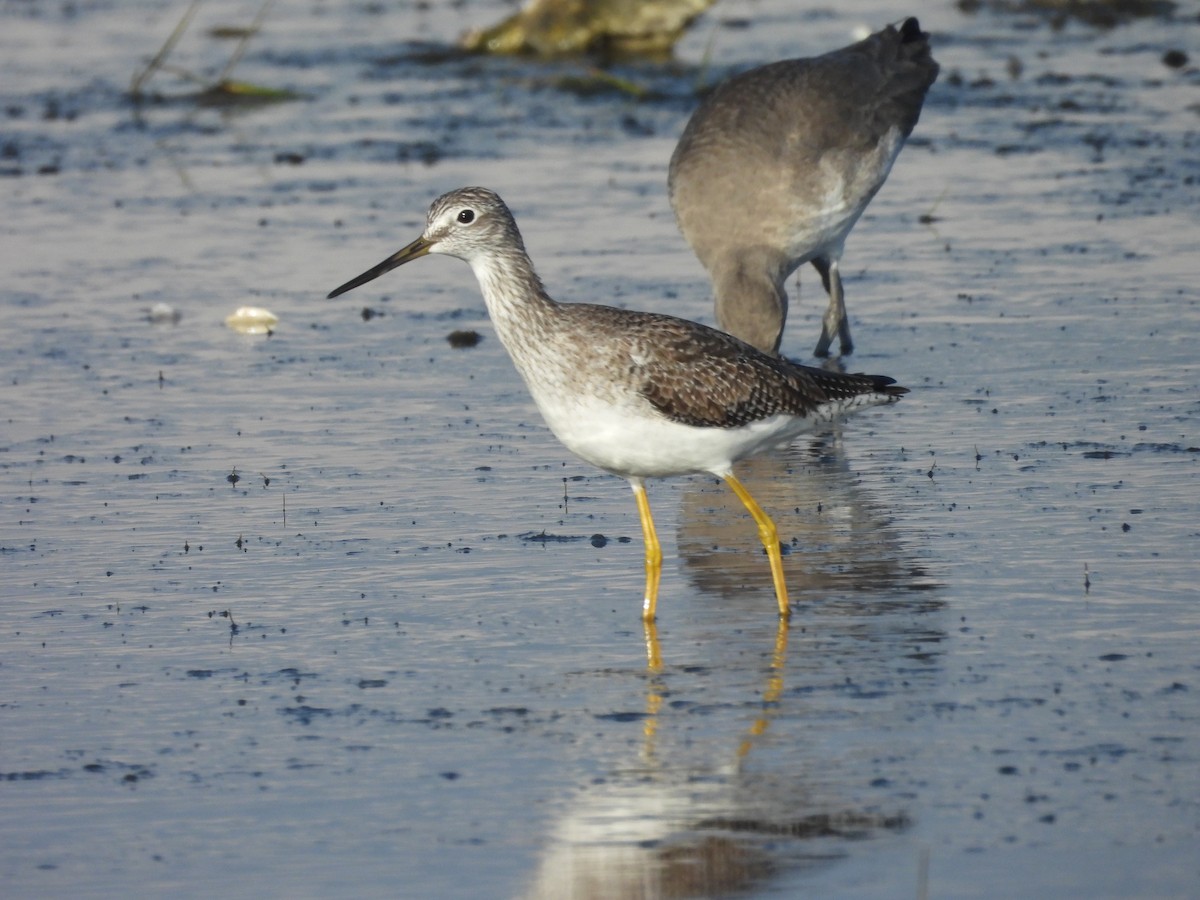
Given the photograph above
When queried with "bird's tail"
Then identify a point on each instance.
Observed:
(845, 393)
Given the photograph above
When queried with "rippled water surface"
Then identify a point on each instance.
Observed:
(330, 613)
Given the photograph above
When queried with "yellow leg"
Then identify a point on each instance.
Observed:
(653, 551)
(770, 541)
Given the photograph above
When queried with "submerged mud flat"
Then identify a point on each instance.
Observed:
(328, 611)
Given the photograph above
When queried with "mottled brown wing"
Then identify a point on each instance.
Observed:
(699, 376)
(713, 383)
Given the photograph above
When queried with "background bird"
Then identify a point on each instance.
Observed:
(777, 164)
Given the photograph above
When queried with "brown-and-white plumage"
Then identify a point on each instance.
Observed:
(777, 164)
(637, 394)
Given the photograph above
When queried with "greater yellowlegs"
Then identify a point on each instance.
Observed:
(777, 164)
(637, 394)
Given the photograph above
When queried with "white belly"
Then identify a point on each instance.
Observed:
(644, 444)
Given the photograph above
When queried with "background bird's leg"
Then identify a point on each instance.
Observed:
(836, 320)
(769, 536)
(653, 550)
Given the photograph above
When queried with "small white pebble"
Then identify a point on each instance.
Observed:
(164, 314)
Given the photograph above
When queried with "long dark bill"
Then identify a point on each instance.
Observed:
(415, 250)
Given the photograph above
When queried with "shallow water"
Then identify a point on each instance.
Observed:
(401, 653)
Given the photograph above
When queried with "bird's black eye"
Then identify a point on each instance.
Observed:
(466, 216)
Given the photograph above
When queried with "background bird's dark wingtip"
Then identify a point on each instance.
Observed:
(910, 30)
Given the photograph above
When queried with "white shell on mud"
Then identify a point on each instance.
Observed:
(252, 320)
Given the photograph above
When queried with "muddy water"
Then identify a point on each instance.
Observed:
(399, 652)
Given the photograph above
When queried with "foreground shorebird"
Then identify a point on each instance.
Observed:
(637, 394)
(777, 164)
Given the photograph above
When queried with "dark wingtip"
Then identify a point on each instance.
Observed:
(887, 385)
(910, 31)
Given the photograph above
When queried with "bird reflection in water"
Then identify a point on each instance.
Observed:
(674, 826)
